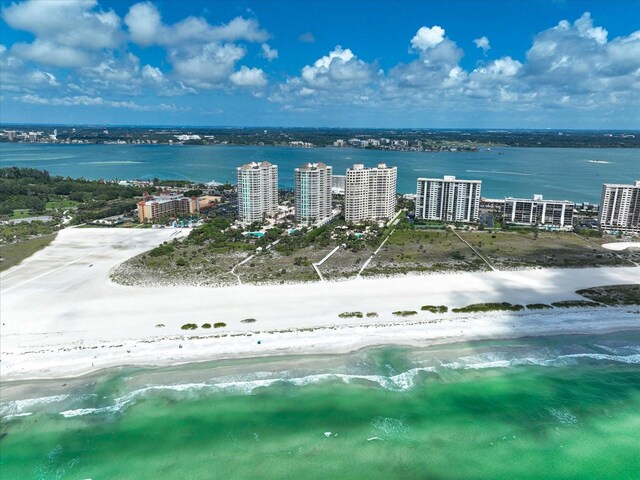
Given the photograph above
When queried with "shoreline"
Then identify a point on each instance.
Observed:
(201, 371)
(63, 317)
(330, 339)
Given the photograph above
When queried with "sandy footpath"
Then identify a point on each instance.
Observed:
(62, 316)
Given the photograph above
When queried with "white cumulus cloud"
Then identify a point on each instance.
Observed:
(339, 68)
(483, 43)
(248, 77)
(68, 33)
(147, 28)
(427, 37)
(268, 52)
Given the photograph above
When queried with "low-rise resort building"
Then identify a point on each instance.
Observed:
(166, 205)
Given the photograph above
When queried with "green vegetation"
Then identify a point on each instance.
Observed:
(411, 250)
(613, 294)
(372, 315)
(533, 248)
(13, 253)
(181, 262)
(435, 308)
(206, 325)
(576, 303)
(538, 306)
(189, 326)
(219, 325)
(248, 320)
(162, 250)
(18, 232)
(488, 307)
(36, 192)
(21, 213)
(60, 204)
(405, 313)
(351, 315)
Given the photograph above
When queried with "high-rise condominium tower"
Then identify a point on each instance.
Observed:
(257, 191)
(447, 199)
(620, 207)
(313, 192)
(370, 193)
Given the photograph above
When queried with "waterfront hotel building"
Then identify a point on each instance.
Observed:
(620, 207)
(448, 199)
(312, 192)
(166, 205)
(370, 193)
(257, 191)
(537, 211)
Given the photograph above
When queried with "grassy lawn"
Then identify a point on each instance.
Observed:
(61, 204)
(22, 213)
(510, 250)
(423, 251)
(13, 254)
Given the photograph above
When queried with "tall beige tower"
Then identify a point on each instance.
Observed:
(257, 191)
(370, 193)
(312, 183)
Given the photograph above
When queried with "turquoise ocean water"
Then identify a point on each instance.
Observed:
(564, 407)
(557, 173)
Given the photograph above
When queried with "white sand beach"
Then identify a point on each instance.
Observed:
(621, 246)
(62, 316)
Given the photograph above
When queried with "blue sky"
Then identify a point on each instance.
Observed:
(417, 64)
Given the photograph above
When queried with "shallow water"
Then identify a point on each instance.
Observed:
(558, 407)
(557, 173)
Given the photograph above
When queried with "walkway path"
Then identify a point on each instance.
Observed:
(482, 257)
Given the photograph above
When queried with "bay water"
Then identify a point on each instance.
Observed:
(575, 174)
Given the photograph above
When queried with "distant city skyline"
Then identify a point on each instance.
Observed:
(355, 64)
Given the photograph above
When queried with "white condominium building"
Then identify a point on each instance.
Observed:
(370, 193)
(257, 191)
(447, 199)
(537, 211)
(312, 183)
(620, 207)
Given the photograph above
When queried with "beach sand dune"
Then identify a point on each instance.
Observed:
(61, 315)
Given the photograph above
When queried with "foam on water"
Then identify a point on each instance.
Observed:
(19, 407)
(564, 416)
(248, 383)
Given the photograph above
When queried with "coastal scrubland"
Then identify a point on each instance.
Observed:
(613, 295)
(532, 248)
(216, 254)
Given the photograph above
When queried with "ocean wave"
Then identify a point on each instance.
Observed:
(20, 407)
(629, 359)
(247, 384)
